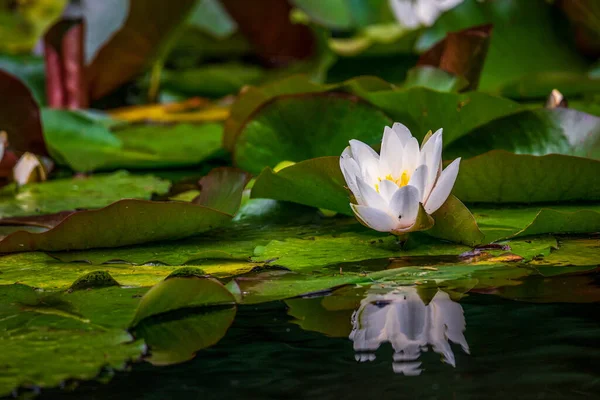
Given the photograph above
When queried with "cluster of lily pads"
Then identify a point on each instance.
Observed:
(118, 263)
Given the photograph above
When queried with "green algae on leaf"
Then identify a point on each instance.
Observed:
(76, 335)
(76, 193)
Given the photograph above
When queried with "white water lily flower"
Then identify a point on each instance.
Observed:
(398, 190)
(414, 13)
(401, 318)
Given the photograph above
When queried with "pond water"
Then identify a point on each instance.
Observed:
(390, 342)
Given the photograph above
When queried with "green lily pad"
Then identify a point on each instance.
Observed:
(422, 109)
(319, 183)
(75, 193)
(176, 338)
(434, 78)
(316, 182)
(212, 80)
(539, 47)
(76, 335)
(273, 134)
(86, 144)
(122, 223)
(537, 132)
(508, 222)
(253, 98)
(182, 292)
(502, 177)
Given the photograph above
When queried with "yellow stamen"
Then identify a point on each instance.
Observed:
(402, 181)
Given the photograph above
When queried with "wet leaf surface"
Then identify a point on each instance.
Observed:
(87, 144)
(77, 193)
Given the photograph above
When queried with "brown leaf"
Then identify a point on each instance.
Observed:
(44, 221)
(20, 116)
(129, 50)
(66, 86)
(461, 53)
(222, 189)
(267, 26)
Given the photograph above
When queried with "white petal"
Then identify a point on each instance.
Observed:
(427, 11)
(402, 131)
(418, 180)
(431, 155)
(387, 189)
(411, 155)
(405, 205)
(369, 196)
(448, 4)
(390, 160)
(443, 187)
(350, 170)
(367, 160)
(404, 12)
(374, 218)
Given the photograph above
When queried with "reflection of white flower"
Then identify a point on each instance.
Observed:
(401, 318)
(390, 187)
(414, 13)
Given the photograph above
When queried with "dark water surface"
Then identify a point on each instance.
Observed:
(520, 350)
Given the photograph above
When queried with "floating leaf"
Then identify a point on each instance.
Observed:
(76, 335)
(537, 132)
(507, 222)
(286, 129)
(434, 78)
(175, 339)
(75, 193)
(299, 183)
(539, 47)
(86, 144)
(502, 177)
(179, 292)
(454, 222)
(122, 223)
(212, 80)
(222, 189)
(253, 98)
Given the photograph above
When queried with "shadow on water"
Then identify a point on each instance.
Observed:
(380, 341)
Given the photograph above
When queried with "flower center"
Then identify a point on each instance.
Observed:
(401, 181)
